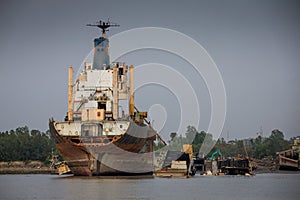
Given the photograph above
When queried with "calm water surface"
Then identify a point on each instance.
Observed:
(262, 186)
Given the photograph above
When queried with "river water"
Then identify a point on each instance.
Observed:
(261, 186)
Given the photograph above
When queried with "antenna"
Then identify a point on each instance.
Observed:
(227, 135)
(104, 25)
(261, 132)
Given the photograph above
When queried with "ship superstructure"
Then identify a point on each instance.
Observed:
(95, 138)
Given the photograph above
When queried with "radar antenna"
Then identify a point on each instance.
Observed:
(104, 25)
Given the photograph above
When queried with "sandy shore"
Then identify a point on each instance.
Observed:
(19, 167)
(44, 170)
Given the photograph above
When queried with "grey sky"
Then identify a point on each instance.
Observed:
(255, 45)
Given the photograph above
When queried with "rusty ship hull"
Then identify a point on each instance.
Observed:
(106, 155)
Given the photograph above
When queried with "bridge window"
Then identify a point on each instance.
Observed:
(90, 130)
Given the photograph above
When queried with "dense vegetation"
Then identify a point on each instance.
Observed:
(24, 145)
(258, 147)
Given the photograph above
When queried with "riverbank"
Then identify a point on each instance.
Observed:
(19, 167)
(36, 167)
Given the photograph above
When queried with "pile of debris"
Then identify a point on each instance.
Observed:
(265, 165)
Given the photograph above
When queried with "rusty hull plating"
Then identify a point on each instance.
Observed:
(106, 155)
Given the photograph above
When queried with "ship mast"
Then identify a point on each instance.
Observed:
(101, 45)
(104, 25)
(70, 94)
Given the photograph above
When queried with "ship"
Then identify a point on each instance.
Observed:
(97, 137)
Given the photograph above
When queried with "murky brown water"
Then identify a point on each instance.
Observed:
(262, 186)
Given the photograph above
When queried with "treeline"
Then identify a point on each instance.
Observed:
(258, 147)
(23, 144)
(202, 142)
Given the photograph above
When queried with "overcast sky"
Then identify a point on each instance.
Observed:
(255, 44)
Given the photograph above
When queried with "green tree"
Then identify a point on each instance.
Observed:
(24, 145)
(173, 135)
(190, 134)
